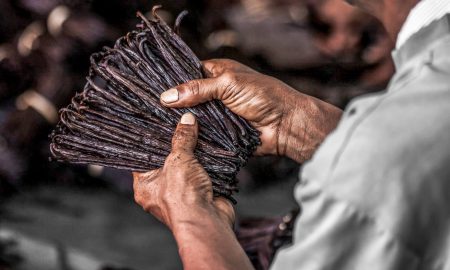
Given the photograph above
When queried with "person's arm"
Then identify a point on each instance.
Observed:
(291, 124)
(208, 242)
(180, 195)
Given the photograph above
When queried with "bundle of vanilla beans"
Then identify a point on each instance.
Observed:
(117, 120)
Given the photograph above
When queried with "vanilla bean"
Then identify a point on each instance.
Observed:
(117, 120)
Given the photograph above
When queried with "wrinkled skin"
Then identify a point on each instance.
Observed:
(180, 184)
(180, 193)
(286, 118)
(208, 242)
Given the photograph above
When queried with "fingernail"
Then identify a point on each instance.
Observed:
(170, 96)
(188, 119)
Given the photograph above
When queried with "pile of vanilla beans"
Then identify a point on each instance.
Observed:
(117, 120)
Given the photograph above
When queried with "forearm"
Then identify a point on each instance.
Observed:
(306, 126)
(208, 242)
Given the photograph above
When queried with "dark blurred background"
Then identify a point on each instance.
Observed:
(60, 216)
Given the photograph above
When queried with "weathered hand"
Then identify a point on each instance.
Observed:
(286, 118)
(181, 189)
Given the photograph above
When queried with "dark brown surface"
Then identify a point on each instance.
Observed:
(118, 121)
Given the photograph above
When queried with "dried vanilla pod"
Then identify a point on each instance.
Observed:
(117, 120)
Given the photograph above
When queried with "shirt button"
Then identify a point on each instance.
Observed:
(352, 111)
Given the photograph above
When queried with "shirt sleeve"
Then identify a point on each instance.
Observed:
(331, 234)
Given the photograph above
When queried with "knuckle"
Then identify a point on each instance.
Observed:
(138, 198)
(215, 71)
(184, 132)
(184, 137)
(166, 198)
(172, 157)
(210, 67)
(194, 87)
(230, 62)
(136, 177)
(146, 208)
(218, 66)
(230, 82)
(229, 77)
(174, 161)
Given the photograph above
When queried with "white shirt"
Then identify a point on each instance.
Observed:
(425, 12)
(375, 196)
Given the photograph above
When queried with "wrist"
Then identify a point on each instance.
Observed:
(292, 128)
(305, 124)
(209, 243)
(199, 215)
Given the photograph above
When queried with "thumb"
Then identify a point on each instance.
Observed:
(185, 137)
(192, 93)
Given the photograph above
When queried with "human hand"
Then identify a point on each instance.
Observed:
(181, 191)
(291, 124)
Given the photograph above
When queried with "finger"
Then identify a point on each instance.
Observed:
(142, 187)
(186, 133)
(140, 178)
(144, 175)
(194, 92)
(216, 67)
(222, 73)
